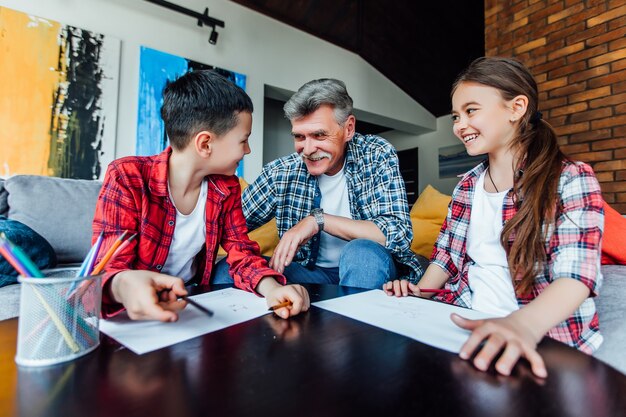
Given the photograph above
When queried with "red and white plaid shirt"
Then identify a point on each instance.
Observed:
(572, 248)
(134, 197)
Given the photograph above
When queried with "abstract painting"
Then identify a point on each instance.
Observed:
(156, 68)
(454, 161)
(58, 100)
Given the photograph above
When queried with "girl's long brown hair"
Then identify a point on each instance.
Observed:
(537, 170)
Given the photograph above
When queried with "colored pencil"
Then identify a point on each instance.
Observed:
(123, 246)
(434, 290)
(109, 254)
(26, 267)
(94, 254)
(280, 305)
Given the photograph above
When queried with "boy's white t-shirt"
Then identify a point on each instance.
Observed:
(189, 237)
(335, 201)
(489, 276)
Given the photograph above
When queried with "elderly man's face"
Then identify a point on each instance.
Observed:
(321, 141)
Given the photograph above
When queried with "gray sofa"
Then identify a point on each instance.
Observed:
(61, 210)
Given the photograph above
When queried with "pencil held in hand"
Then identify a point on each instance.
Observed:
(435, 290)
(198, 306)
(281, 305)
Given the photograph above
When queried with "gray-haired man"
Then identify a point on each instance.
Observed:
(339, 201)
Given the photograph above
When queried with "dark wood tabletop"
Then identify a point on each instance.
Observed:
(316, 364)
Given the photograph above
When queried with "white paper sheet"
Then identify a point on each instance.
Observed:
(420, 319)
(231, 306)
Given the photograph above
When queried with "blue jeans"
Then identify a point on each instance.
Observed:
(362, 263)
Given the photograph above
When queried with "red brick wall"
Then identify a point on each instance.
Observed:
(577, 52)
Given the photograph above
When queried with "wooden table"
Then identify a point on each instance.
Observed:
(317, 364)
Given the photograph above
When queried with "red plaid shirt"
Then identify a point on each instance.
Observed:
(572, 248)
(134, 197)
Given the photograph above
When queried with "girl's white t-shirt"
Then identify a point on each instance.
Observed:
(489, 276)
(189, 237)
(335, 201)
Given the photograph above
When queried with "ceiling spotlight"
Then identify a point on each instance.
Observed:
(203, 18)
(213, 37)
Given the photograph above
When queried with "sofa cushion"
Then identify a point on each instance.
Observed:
(614, 237)
(32, 243)
(59, 209)
(427, 216)
(611, 311)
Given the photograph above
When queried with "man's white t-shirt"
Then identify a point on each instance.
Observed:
(489, 277)
(189, 237)
(335, 201)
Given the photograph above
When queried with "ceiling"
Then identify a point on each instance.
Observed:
(419, 45)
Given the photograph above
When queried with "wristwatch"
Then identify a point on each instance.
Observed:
(318, 214)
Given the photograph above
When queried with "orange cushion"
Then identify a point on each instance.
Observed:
(614, 237)
(427, 216)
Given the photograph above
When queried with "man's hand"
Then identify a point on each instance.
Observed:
(291, 241)
(149, 295)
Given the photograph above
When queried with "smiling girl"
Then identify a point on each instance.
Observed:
(521, 239)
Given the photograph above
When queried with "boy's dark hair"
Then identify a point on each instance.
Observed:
(201, 100)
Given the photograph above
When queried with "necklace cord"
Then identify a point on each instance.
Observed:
(491, 179)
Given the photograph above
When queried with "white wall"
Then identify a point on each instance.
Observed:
(428, 153)
(267, 51)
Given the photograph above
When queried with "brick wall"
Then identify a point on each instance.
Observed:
(577, 52)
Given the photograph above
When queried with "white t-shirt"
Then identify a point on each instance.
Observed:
(489, 277)
(189, 237)
(335, 201)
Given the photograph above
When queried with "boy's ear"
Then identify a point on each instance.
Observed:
(203, 142)
(519, 106)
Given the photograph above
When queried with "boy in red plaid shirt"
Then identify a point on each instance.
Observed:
(182, 204)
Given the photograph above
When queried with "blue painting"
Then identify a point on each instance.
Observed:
(156, 68)
(454, 161)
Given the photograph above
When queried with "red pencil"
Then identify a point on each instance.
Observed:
(436, 291)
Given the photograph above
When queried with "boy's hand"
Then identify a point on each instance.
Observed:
(149, 295)
(276, 293)
(508, 334)
(401, 288)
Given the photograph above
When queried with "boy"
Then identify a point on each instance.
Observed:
(182, 204)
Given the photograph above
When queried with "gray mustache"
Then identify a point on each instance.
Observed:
(316, 155)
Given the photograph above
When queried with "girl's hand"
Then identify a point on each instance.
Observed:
(506, 333)
(297, 295)
(401, 288)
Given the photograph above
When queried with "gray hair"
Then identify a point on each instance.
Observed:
(316, 93)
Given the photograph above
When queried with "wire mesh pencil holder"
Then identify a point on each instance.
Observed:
(59, 317)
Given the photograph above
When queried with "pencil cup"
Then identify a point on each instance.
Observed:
(58, 317)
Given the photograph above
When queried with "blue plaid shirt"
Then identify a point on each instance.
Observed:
(287, 191)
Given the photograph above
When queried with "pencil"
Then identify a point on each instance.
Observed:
(109, 253)
(198, 306)
(434, 290)
(123, 246)
(280, 305)
(94, 255)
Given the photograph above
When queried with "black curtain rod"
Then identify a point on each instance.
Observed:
(203, 18)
